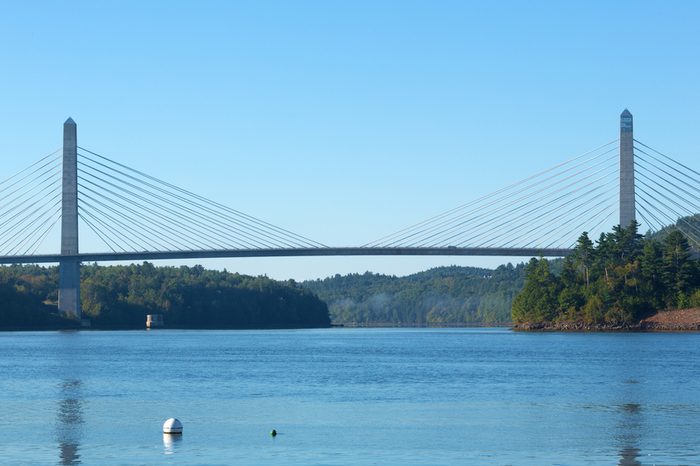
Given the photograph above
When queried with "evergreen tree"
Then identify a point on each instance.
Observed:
(651, 266)
(619, 281)
(538, 300)
(678, 271)
(584, 254)
(571, 297)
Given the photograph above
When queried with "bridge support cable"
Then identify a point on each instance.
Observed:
(686, 170)
(668, 202)
(503, 232)
(685, 198)
(18, 233)
(648, 210)
(171, 221)
(510, 230)
(21, 205)
(570, 164)
(662, 218)
(46, 161)
(164, 222)
(643, 216)
(589, 212)
(207, 208)
(547, 196)
(602, 218)
(51, 224)
(127, 230)
(12, 199)
(670, 191)
(97, 232)
(666, 192)
(156, 223)
(28, 201)
(663, 209)
(660, 210)
(195, 222)
(549, 233)
(688, 188)
(462, 226)
(106, 230)
(37, 231)
(528, 213)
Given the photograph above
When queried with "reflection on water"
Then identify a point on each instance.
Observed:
(70, 421)
(631, 408)
(630, 427)
(170, 442)
(628, 457)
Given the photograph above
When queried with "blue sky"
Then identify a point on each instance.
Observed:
(346, 121)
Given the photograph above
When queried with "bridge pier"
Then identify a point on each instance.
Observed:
(627, 201)
(69, 267)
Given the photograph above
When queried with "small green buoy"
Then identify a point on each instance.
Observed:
(273, 433)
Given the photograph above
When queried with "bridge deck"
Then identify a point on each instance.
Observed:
(290, 252)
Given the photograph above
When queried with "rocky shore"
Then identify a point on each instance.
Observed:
(669, 321)
(681, 320)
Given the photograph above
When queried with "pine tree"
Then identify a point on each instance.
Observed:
(584, 254)
(678, 271)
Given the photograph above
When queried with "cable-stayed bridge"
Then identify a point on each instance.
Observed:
(136, 216)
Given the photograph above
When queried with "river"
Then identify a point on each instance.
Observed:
(350, 396)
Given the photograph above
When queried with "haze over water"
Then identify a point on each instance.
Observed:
(350, 396)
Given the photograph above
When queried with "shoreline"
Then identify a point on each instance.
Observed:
(432, 325)
(679, 320)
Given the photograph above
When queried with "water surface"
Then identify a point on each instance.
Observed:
(350, 396)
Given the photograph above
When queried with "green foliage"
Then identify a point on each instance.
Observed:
(539, 299)
(24, 291)
(189, 297)
(440, 296)
(679, 272)
(620, 280)
(593, 309)
(695, 299)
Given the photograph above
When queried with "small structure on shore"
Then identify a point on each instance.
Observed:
(154, 320)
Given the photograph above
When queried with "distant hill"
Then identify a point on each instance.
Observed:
(440, 296)
(689, 226)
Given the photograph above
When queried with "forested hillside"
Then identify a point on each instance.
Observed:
(617, 281)
(24, 289)
(441, 296)
(189, 297)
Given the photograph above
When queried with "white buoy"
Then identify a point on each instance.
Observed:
(172, 426)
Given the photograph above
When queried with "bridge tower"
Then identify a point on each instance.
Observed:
(627, 201)
(69, 267)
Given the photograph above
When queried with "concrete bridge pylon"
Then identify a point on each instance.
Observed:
(627, 198)
(69, 267)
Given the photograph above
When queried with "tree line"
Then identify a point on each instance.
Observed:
(621, 279)
(440, 296)
(188, 297)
